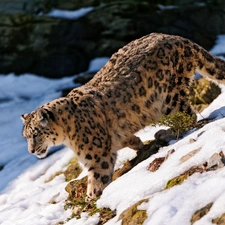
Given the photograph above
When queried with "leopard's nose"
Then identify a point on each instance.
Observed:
(32, 151)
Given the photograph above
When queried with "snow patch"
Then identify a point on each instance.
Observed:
(68, 14)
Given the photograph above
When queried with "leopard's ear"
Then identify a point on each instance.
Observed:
(23, 117)
(44, 116)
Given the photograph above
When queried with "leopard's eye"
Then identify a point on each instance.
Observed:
(35, 134)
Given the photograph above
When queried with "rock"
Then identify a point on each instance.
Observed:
(20, 6)
(220, 220)
(73, 171)
(192, 140)
(200, 213)
(202, 93)
(189, 155)
(133, 216)
(216, 161)
(165, 135)
(179, 179)
(150, 147)
(32, 44)
(156, 163)
(77, 189)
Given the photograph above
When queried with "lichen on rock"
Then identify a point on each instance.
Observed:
(133, 216)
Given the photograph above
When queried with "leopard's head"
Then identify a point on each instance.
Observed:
(40, 131)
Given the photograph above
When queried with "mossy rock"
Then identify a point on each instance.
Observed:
(72, 171)
(200, 213)
(133, 216)
(77, 188)
(180, 179)
(176, 181)
(202, 93)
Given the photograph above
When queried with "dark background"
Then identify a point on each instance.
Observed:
(54, 47)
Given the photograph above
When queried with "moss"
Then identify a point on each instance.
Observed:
(73, 160)
(179, 179)
(175, 181)
(53, 176)
(133, 216)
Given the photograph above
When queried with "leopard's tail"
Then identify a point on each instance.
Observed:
(210, 66)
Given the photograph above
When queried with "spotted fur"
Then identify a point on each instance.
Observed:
(145, 79)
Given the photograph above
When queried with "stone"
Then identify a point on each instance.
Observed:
(150, 147)
(181, 178)
(72, 171)
(220, 220)
(133, 216)
(216, 161)
(202, 93)
(77, 188)
(200, 213)
(157, 162)
(189, 155)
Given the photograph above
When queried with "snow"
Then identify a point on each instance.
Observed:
(219, 48)
(68, 14)
(167, 7)
(170, 7)
(96, 63)
(26, 198)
